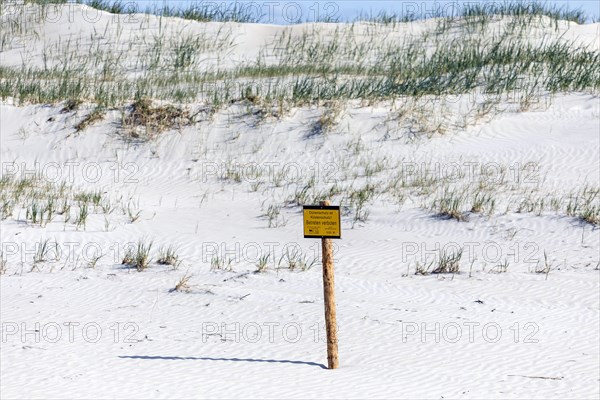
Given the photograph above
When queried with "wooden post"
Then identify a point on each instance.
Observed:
(329, 294)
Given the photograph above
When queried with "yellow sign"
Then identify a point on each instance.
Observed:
(322, 222)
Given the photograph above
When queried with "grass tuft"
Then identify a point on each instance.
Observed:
(183, 285)
(138, 257)
(168, 256)
(94, 116)
(145, 121)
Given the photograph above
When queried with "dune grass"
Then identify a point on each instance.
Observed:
(350, 62)
(249, 13)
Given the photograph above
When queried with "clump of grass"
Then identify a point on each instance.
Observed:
(6, 208)
(532, 204)
(70, 105)
(82, 215)
(94, 116)
(585, 205)
(168, 256)
(545, 268)
(326, 122)
(132, 213)
(214, 12)
(45, 251)
(274, 216)
(144, 121)
(221, 264)
(263, 263)
(93, 197)
(184, 52)
(43, 201)
(34, 212)
(423, 268)
(50, 208)
(94, 261)
(113, 7)
(501, 268)
(129, 257)
(3, 264)
(138, 257)
(294, 259)
(448, 263)
(183, 285)
(232, 172)
(358, 200)
(590, 214)
(521, 8)
(449, 205)
(483, 203)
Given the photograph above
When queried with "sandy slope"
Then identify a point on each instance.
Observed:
(173, 356)
(477, 334)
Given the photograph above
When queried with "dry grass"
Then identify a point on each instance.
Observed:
(446, 263)
(327, 121)
(3, 263)
(138, 258)
(96, 115)
(183, 285)
(450, 205)
(145, 121)
(590, 214)
(71, 105)
(221, 264)
(168, 256)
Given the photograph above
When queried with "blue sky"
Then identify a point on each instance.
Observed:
(285, 11)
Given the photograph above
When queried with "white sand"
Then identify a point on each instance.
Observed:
(548, 343)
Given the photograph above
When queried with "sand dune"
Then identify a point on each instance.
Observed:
(518, 320)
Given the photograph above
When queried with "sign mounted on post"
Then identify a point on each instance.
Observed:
(322, 222)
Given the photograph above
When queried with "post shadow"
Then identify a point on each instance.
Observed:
(175, 358)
